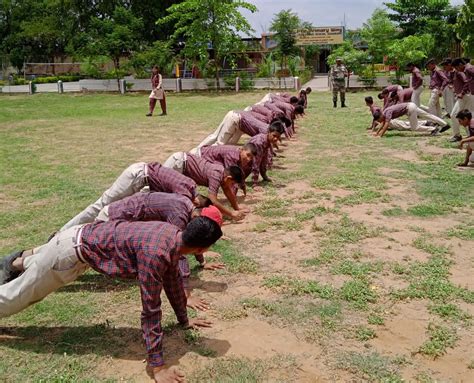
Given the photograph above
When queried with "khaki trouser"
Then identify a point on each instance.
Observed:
(266, 98)
(104, 214)
(226, 133)
(414, 112)
(448, 97)
(131, 181)
(176, 161)
(401, 125)
(460, 104)
(56, 265)
(434, 107)
(415, 96)
(339, 87)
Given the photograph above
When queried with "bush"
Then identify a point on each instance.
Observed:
(54, 79)
(367, 76)
(397, 81)
(305, 75)
(246, 82)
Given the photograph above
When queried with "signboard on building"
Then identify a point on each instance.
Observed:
(320, 36)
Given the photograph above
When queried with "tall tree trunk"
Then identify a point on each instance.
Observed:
(117, 67)
(216, 66)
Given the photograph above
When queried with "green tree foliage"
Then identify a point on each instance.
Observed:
(354, 59)
(465, 27)
(285, 25)
(209, 25)
(159, 53)
(379, 32)
(434, 17)
(413, 49)
(114, 37)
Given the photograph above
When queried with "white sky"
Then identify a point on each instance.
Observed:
(318, 12)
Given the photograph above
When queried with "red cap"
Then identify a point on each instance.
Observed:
(213, 213)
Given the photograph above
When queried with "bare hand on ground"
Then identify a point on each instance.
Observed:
(213, 266)
(238, 215)
(169, 375)
(197, 323)
(197, 303)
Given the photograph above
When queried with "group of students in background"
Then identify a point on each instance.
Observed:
(452, 81)
(152, 217)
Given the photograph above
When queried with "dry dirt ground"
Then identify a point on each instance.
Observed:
(324, 287)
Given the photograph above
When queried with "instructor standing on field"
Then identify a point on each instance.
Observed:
(338, 75)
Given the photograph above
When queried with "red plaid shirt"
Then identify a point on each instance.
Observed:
(161, 179)
(250, 125)
(225, 155)
(260, 161)
(204, 173)
(147, 251)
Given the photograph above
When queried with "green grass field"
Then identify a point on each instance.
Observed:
(356, 263)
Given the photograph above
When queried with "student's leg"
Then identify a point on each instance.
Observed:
(103, 214)
(458, 106)
(129, 182)
(430, 117)
(212, 138)
(448, 97)
(415, 97)
(152, 105)
(433, 105)
(163, 104)
(54, 266)
(176, 161)
(468, 155)
(230, 129)
(235, 137)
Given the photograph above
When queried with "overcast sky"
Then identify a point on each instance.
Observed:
(318, 12)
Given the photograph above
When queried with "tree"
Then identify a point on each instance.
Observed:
(433, 17)
(114, 37)
(285, 25)
(378, 32)
(411, 49)
(465, 27)
(354, 59)
(209, 28)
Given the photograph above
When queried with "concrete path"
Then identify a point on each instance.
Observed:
(318, 84)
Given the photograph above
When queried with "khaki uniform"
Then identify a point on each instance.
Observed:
(338, 82)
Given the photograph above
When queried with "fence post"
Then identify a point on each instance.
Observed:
(31, 87)
(122, 86)
(297, 83)
(237, 84)
(60, 87)
(179, 85)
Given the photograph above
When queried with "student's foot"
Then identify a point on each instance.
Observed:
(149, 114)
(463, 164)
(435, 132)
(162, 114)
(343, 106)
(455, 139)
(445, 128)
(7, 273)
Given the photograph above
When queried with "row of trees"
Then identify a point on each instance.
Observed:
(412, 31)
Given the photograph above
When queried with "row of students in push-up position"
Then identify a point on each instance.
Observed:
(455, 83)
(146, 235)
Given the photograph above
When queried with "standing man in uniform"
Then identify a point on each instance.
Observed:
(338, 80)
(462, 95)
(448, 94)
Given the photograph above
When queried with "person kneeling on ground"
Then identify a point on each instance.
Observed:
(146, 251)
(465, 119)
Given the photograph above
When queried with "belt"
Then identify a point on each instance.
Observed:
(145, 172)
(77, 245)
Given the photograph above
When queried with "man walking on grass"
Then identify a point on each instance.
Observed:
(146, 251)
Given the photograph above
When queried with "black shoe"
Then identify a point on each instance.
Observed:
(430, 123)
(343, 105)
(455, 139)
(435, 132)
(149, 114)
(7, 274)
(445, 128)
(162, 114)
(335, 104)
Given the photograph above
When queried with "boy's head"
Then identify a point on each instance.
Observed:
(275, 131)
(200, 234)
(200, 201)
(380, 96)
(378, 116)
(393, 96)
(293, 100)
(459, 64)
(299, 110)
(232, 175)
(384, 92)
(369, 101)
(464, 117)
(410, 67)
(447, 64)
(247, 153)
(285, 120)
(431, 64)
(308, 90)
